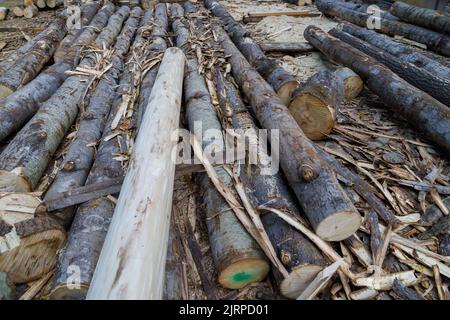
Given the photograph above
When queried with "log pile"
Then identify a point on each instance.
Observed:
(160, 152)
(30, 8)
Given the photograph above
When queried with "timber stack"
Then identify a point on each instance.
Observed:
(163, 150)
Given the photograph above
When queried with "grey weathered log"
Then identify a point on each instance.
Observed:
(287, 47)
(420, 109)
(31, 63)
(435, 41)
(323, 200)
(20, 106)
(282, 81)
(402, 292)
(300, 257)
(424, 17)
(26, 157)
(237, 257)
(438, 87)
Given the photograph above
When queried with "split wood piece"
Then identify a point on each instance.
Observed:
(21, 105)
(360, 250)
(300, 257)
(71, 43)
(385, 282)
(30, 64)
(41, 4)
(3, 13)
(36, 286)
(315, 104)
(79, 157)
(28, 244)
(138, 273)
(326, 205)
(320, 281)
(437, 87)
(424, 17)
(18, 11)
(429, 115)
(282, 81)
(237, 257)
(25, 158)
(402, 292)
(7, 288)
(287, 47)
(435, 41)
(54, 3)
(258, 16)
(30, 11)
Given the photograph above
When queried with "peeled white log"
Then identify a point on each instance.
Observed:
(132, 261)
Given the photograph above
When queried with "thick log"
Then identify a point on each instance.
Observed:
(283, 82)
(30, 11)
(435, 41)
(424, 17)
(315, 104)
(237, 257)
(3, 13)
(54, 3)
(28, 244)
(138, 273)
(300, 257)
(18, 11)
(421, 110)
(326, 205)
(26, 157)
(30, 64)
(287, 47)
(377, 11)
(21, 105)
(7, 288)
(438, 87)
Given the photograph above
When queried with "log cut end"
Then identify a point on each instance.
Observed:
(339, 226)
(5, 91)
(12, 181)
(314, 116)
(243, 272)
(353, 84)
(285, 91)
(66, 292)
(297, 281)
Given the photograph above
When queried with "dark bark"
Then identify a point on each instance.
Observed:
(444, 245)
(435, 41)
(287, 47)
(437, 87)
(424, 17)
(375, 233)
(364, 7)
(326, 205)
(401, 292)
(421, 110)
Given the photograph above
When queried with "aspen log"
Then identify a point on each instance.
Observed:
(237, 257)
(40, 4)
(424, 17)
(21, 105)
(283, 82)
(30, 11)
(54, 3)
(429, 115)
(324, 202)
(24, 160)
(18, 11)
(3, 13)
(138, 273)
(30, 64)
(434, 41)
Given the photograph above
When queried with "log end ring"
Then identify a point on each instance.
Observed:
(339, 226)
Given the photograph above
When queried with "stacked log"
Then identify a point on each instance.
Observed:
(3, 13)
(422, 110)
(30, 11)
(18, 11)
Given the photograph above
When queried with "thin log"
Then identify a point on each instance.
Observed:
(435, 41)
(283, 82)
(287, 47)
(138, 273)
(429, 115)
(30, 11)
(326, 205)
(3, 13)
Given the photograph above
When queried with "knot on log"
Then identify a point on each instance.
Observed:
(307, 172)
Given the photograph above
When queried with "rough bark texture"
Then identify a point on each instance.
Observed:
(237, 257)
(25, 158)
(423, 111)
(424, 17)
(300, 257)
(31, 63)
(402, 292)
(283, 82)
(434, 40)
(326, 205)
(287, 47)
(438, 87)
(315, 104)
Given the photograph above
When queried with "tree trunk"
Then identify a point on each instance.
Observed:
(424, 17)
(25, 158)
(429, 115)
(30, 64)
(18, 11)
(300, 257)
(138, 273)
(314, 105)
(20, 106)
(283, 82)
(238, 259)
(435, 41)
(3, 13)
(436, 86)
(54, 3)
(41, 4)
(326, 205)
(287, 47)
(28, 244)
